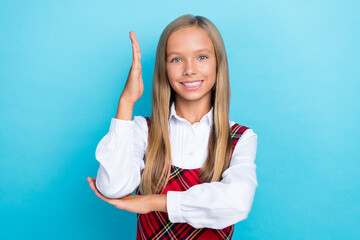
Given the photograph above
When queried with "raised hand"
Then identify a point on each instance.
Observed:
(134, 86)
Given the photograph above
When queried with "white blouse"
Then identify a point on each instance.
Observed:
(212, 205)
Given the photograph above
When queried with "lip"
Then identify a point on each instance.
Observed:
(189, 88)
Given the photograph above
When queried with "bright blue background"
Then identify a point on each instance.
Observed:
(294, 72)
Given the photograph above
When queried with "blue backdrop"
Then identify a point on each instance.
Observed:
(294, 72)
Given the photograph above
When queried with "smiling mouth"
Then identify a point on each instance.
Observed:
(192, 84)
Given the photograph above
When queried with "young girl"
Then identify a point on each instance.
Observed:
(192, 168)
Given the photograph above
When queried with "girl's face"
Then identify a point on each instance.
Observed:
(190, 58)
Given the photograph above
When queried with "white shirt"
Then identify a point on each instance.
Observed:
(212, 205)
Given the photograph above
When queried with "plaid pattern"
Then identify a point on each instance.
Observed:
(156, 225)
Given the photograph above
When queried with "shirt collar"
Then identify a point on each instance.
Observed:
(207, 117)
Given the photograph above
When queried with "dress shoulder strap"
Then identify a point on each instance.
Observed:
(236, 131)
(148, 122)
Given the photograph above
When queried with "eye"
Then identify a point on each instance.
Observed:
(203, 56)
(174, 59)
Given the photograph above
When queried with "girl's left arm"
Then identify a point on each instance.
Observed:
(132, 202)
(220, 204)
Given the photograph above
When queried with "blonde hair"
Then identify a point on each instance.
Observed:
(156, 173)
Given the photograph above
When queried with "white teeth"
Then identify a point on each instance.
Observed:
(192, 84)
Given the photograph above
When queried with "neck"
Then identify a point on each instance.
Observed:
(192, 111)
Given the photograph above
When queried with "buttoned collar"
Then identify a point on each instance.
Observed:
(207, 117)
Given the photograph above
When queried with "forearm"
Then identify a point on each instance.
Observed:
(125, 110)
(158, 202)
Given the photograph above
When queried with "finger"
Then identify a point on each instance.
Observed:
(137, 48)
(108, 200)
(134, 48)
(136, 51)
(97, 193)
(92, 185)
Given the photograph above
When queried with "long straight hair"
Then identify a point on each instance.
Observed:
(156, 173)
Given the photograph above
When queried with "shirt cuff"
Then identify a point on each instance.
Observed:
(173, 204)
(119, 125)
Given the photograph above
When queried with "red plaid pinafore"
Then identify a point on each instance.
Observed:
(156, 225)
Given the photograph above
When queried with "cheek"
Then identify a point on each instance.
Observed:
(172, 73)
(209, 69)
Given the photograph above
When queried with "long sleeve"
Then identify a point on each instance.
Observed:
(121, 156)
(220, 204)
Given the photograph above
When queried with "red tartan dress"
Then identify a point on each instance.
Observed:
(156, 225)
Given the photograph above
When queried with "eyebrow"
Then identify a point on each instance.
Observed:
(199, 50)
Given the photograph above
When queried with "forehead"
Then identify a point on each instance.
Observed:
(188, 40)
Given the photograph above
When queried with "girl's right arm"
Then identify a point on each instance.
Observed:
(121, 151)
(121, 156)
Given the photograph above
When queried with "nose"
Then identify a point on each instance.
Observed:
(189, 68)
